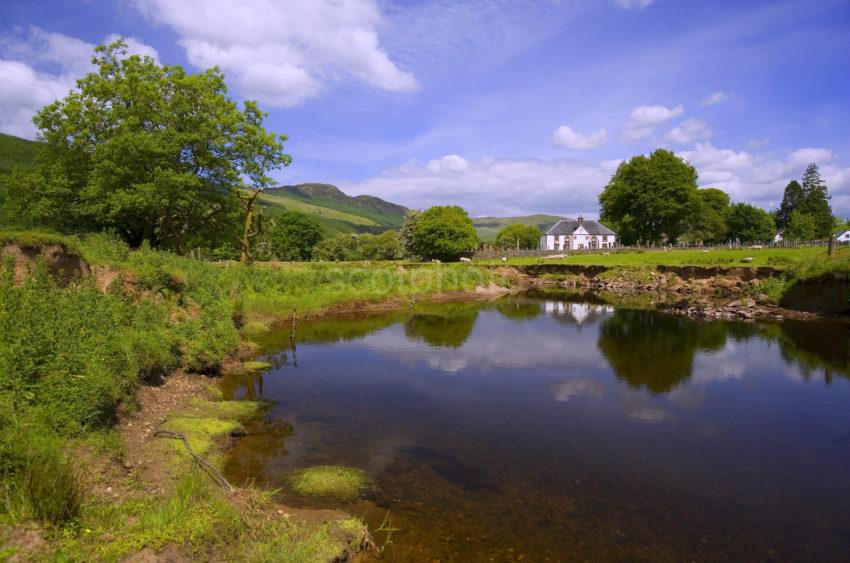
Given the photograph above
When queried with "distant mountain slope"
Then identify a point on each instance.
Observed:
(488, 227)
(335, 210)
(15, 151)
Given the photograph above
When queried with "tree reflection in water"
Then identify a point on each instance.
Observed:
(447, 326)
(814, 346)
(656, 351)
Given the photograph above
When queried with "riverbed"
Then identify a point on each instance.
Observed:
(541, 428)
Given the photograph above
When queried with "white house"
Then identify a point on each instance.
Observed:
(843, 236)
(575, 234)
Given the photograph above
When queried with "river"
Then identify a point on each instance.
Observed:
(539, 428)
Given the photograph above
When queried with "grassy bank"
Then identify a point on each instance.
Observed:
(779, 258)
(74, 355)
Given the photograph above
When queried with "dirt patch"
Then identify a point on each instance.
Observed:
(22, 543)
(168, 554)
(827, 294)
(145, 457)
(683, 272)
(63, 265)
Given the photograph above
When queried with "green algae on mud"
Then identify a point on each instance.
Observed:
(336, 481)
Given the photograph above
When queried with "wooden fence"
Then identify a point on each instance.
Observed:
(491, 253)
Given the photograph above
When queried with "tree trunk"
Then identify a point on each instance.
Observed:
(245, 239)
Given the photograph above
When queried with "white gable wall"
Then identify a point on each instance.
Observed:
(579, 240)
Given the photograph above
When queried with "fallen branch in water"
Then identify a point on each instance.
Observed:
(207, 466)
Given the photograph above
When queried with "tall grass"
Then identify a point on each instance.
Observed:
(70, 354)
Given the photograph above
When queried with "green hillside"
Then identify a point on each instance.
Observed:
(488, 227)
(15, 151)
(334, 210)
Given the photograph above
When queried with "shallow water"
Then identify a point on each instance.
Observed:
(538, 428)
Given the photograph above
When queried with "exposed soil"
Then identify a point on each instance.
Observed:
(61, 264)
(828, 294)
(28, 542)
(709, 293)
(144, 454)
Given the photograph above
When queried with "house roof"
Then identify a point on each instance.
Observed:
(568, 227)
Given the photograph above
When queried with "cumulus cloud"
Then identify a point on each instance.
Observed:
(688, 131)
(493, 186)
(628, 4)
(42, 67)
(565, 137)
(283, 52)
(802, 157)
(714, 98)
(569, 186)
(760, 178)
(644, 119)
(448, 164)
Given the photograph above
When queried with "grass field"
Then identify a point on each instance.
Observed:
(488, 227)
(334, 210)
(292, 204)
(779, 258)
(16, 152)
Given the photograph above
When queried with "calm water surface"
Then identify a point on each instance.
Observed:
(540, 429)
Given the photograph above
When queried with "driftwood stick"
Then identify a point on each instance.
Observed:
(207, 466)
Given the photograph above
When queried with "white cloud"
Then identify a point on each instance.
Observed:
(643, 120)
(760, 178)
(283, 52)
(628, 4)
(450, 163)
(714, 98)
(565, 137)
(493, 186)
(803, 157)
(688, 131)
(503, 186)
(26, 86)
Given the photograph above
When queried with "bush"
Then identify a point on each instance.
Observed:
(518, 235)
(36, 476)
(292, 236)
(347, 248)
(444, 232)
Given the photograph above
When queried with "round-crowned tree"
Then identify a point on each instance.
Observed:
(444, 232)
(293, 236)
(151, 152)
(518, 235)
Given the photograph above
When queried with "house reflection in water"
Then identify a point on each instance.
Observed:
(576, 314)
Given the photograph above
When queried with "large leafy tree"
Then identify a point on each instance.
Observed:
(750, 224)
(708, 223)
(651, 199)
(815, 201)
(518, 235)
(292, 236)
(801, 227)
(791, 200)
(444, 232)
(153, 152)
(406, 232)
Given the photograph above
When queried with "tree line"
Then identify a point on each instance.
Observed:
(655, 199)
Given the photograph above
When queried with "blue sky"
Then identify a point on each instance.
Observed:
(504, 107)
